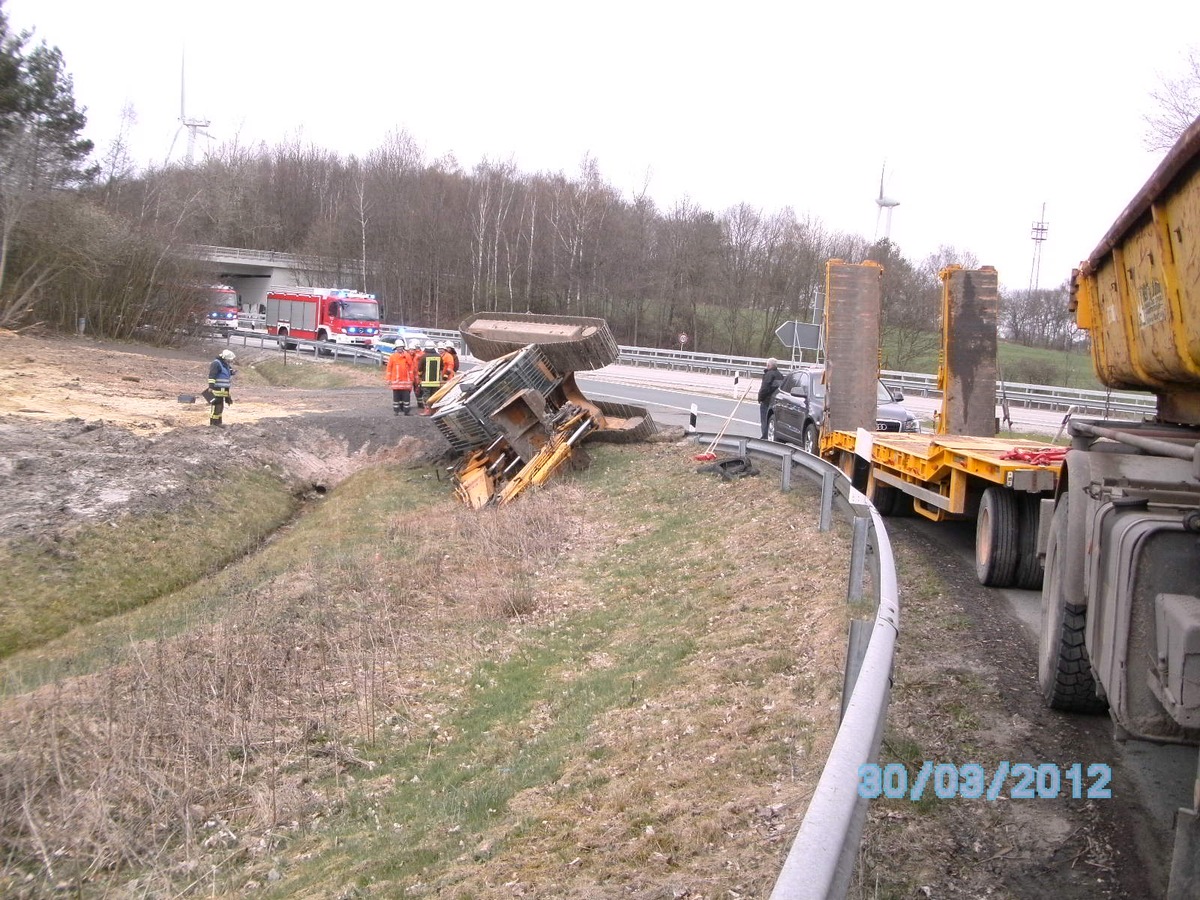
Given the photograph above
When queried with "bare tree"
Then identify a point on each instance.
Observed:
(1177, 105)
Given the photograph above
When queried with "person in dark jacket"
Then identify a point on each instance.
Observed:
(220, 379)
(771, 380)
(429, 375)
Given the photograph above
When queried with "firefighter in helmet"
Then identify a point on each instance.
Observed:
(429, 373)
(414, 355)
(220, 378)
(399, 375)
(449, 361)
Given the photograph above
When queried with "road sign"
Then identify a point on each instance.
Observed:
(799, 336)
(682, 338)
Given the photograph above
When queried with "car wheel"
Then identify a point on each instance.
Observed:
(770, 427)
(812, 439)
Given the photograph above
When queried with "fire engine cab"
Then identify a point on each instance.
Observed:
(222, 312)
(332, 315)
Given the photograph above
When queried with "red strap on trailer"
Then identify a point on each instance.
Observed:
(1040, 457)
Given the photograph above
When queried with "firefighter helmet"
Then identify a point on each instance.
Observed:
(227, 355)
(429, 345)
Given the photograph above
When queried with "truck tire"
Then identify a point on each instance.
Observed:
(284, 343)
(883, 497)
(997, 538)
(812, 439)
(1064, 669)
(1029, 567)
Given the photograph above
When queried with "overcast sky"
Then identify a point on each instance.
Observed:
(983, 111)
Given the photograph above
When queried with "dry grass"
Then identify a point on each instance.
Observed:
(624, 682)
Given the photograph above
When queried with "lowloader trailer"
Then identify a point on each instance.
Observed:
(1000, 483)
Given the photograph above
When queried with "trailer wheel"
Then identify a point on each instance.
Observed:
(1064, 669)
(1029, 567)
(883, 497)
(997, 538)
(812, 439)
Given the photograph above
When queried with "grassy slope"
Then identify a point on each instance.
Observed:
(626, 680)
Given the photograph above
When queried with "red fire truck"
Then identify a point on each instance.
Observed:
(220, 307)
(331, 315)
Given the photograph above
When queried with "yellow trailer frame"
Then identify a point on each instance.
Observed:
(999, 483)
(939, 470)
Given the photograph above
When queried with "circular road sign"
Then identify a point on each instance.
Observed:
(683, 337)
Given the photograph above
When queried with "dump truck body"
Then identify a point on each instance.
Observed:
(1121, 597)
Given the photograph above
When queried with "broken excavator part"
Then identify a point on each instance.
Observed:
(520, 416)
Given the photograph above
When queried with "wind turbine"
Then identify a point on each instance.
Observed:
(194, 126)
(884, 203)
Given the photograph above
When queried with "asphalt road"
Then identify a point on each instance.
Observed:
(670, 393)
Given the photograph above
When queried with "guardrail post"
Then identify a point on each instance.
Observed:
(827, 484)
(858, 560)
(785, 479)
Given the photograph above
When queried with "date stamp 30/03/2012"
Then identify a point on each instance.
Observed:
(972, 781)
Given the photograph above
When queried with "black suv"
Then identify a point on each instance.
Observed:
(799, 406)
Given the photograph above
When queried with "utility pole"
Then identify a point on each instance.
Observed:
(1040, 228)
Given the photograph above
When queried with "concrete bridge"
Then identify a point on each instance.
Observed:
(252, 272)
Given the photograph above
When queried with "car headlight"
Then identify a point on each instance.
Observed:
(912, 425)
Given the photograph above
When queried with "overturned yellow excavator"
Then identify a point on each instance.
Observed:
(520, 416)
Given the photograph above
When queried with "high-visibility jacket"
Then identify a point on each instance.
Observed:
(447, 365)
(431, 369)
(220, 377)
(400, 371)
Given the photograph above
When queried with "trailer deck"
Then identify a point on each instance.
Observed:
(937, 470)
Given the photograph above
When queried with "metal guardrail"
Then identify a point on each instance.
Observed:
(820, 863)
(316, 348)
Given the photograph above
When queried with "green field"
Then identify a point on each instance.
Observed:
(1025, 365)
